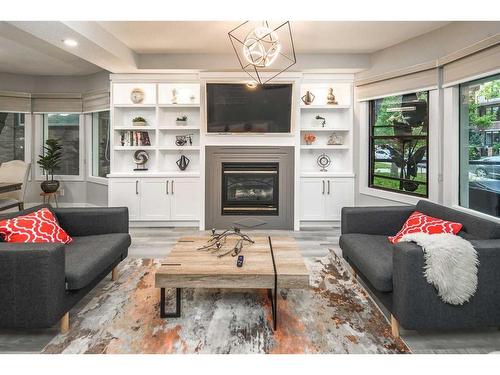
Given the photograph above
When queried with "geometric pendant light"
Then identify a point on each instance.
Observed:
(263, 48)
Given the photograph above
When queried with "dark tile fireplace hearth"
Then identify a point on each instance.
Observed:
(250, 189)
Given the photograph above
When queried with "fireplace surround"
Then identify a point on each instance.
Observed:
(250, 187)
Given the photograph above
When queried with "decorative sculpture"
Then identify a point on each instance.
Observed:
(308, 98)
(137, 95)
(182, 140)
(324, 162)
(141, 157)
(215, 244)
(335, 139)
(321, 119)
(330, 98)
(183, 163)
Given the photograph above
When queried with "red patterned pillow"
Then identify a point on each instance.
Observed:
(38, 226)
(420, 223)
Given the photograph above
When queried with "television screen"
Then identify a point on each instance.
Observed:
(238, 108)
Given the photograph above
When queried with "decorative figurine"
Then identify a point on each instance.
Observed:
(335, 139)
(309, 138)
(308, 98)
(320, 120)
(330, 98)
(141, 157)
(174, 96)
(182, 163)
(137, 95)
(217, 241)
(324, 162)
(182, 140)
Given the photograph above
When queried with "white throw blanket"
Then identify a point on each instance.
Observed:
(450, 265)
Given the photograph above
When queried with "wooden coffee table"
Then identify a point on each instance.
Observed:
(270, 263)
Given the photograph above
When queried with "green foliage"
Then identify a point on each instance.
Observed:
(481, 122)
(139, 119)
(490, 90)
(51, 158)
(474, 153)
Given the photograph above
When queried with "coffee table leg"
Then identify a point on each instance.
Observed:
(274, 306)
(177, 312)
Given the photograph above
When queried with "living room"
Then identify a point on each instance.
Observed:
(295, 185)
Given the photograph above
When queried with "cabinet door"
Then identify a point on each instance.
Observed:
(125, 192)
(155, 199)
(185, 199)
(312, 198)
(340, 194)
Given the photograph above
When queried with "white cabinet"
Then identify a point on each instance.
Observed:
(157, 198)
(323, 198)
(125, 192)
(185, 203)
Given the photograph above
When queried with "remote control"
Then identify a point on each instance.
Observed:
(239, 262)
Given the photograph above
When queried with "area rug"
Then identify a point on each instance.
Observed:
(334, 316)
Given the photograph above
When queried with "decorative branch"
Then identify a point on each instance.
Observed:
(217, 241)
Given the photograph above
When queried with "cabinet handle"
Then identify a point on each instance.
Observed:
(136, 187)
(328, 187)
(172, 187)
(166, 186)
(323, 186)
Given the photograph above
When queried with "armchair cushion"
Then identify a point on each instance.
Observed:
(372, 256)
(87, 257)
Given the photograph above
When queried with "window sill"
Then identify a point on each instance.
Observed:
(392, 196)
(98, 180)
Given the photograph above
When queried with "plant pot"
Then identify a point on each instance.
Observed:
(49, 186)
(139, 123)
(181, 123)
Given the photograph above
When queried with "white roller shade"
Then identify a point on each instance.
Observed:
(56, 103)
(95, 101)
(15, 102)
(473, 66)
(418, 81)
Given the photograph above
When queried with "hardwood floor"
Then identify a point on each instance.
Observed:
(157, 242)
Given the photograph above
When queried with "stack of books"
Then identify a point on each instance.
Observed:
(135, 138)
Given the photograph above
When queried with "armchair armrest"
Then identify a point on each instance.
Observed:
(32, 284)
(417, 305)
(386, 220)
(86, 221)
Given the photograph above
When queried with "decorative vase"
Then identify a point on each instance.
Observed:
(308, 98)
(49, 186)
(181, 123)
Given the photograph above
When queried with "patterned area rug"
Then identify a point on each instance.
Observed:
(334, 316)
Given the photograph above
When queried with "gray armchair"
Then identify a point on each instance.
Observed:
(41, 282)
(394, 273)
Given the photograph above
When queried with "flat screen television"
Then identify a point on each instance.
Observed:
(238, 108)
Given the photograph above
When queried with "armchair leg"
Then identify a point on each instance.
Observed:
(65, 323)
(114, 274)
(394, 326)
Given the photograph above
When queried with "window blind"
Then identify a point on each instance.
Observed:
(56, 103)
(95, 101)
(15, 102)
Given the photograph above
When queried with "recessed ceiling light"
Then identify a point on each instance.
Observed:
(70, 42)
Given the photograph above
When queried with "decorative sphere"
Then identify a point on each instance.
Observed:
(261, 47)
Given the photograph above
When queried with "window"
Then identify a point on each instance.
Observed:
(65, 128)
(399, 143)
(11, 136)
(480, 145)
(100, 144)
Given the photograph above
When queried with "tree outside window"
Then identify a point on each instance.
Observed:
(11, 136)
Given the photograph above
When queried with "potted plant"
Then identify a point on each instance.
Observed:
(309, 138)
(49, 162)
(139, 121)
(181, 121)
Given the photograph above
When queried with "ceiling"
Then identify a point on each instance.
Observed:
(36, 48)
(309, 37)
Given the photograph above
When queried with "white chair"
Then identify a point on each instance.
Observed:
(14, 171)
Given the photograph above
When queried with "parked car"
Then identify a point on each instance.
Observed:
(382, 154)
(488, 167)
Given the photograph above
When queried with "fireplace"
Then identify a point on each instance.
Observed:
(250, 189)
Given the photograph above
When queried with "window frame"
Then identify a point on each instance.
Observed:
(39, 133)
(371, 149)
(89, 147)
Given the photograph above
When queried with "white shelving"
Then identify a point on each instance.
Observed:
(325, 106)
(324, 147)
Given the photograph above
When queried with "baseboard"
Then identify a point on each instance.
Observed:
(319, 224)
(164, 224)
